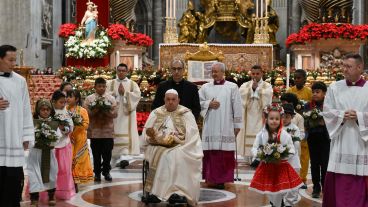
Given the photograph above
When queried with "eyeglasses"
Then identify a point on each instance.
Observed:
(176, 69)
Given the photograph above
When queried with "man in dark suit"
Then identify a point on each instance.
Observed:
(188, 91)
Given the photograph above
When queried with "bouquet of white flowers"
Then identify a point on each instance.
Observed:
(45, 135)
(313, 118)
(292, 134)
(101, 104)
(62, 119)
(77, 119)
(272, 152)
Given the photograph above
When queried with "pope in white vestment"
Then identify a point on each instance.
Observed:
(126, 138)
(174, 152)
(255, 97)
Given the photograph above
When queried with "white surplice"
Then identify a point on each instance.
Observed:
(219, 124)
(176, 169)
(126, 138)
(349, 140)
(16, 123)
(253, 104)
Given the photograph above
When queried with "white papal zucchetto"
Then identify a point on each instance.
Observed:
(172, 91)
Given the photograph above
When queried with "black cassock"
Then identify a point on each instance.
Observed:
(188, 94)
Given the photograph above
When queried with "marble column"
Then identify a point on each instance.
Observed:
(295, 18)
(157, 30)
(358, 12)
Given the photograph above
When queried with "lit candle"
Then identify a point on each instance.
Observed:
(287, 71)
(167, 8)
(257, 8)
(266, 8)
(171, 9)
(117, 57)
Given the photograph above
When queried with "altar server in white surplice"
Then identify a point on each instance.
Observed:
(174, 152)
(126, 138)
(221, 110)
(256, 95)
(16, 128)
(345, 112)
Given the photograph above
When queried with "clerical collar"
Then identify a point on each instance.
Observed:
(359, 83)
(220, 82)
(5, 74)
(119, 80)
(177, 83)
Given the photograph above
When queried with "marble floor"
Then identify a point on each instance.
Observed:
(126, 188)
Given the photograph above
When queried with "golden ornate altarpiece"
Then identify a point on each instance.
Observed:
(235, 56)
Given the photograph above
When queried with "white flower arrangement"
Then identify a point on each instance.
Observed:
(77, 47)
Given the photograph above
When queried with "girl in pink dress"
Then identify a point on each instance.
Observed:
(63, 149)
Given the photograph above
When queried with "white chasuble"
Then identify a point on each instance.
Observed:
(174, 169)
(253, 104)
(126, 136)
(349, 140)
(219, 124)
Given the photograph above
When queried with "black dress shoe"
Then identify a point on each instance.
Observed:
(107, 177)
(316, 194)
(304, 186)
(123, 164)
(177, 199)
(152, 199)
(97, 178)
(220, 186)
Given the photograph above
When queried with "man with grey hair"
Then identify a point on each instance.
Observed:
(188, 91)
(220, 103)
(174, 153)
(256, 94)
(127, 95)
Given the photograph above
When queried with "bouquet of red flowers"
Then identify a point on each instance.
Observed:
(67, 30)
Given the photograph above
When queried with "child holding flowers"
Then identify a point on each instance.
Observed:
(273, 146)
(291, 197)
(81, 165)
(102, 109)
(63, 148)
(42, 166)
(317, 137)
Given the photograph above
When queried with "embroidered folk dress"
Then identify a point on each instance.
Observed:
(274, 178)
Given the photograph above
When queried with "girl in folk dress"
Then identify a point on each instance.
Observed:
(41, 163)
(81, 167)
(63, 149)
(277, 178)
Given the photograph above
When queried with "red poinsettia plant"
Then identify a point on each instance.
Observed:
(118, 31)
(140, 40)
(315, 31)
(67, 30)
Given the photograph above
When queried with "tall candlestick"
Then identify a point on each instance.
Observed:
(167, 8)
(117, 57)
(287, 71)
(257, 8)
(266, 8)
(174, 15)
(261, 8)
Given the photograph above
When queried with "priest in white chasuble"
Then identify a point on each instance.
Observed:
(256, 94)
(221, 110)
(345, 112)
(174, 152)
(126, 138)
